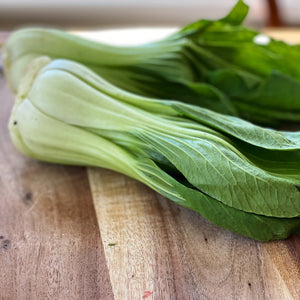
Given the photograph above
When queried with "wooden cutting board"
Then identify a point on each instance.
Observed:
(90, 233)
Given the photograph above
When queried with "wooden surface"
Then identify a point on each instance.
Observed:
(50, 246)
(77, 233)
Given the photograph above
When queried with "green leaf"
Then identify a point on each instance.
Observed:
(238, 13)
(240, 129)
(219, 170)
(235, 17)
(277, 96)
(258, 227)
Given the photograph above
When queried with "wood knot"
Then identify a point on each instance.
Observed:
(27, 199)
(5, 244)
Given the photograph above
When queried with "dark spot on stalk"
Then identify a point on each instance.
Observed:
(1, 237)
(249, 284)
(27, 199)
(205, 240)
(5, 244)
(15, 122)
(297, 187)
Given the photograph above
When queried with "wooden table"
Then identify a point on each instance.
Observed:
(87, 233)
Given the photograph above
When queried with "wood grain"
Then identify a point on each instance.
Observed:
(50, 246)
(176, 254)
(147, 246)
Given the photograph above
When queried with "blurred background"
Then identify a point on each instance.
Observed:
(85, 14)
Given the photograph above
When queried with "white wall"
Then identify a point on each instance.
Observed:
(108, 13)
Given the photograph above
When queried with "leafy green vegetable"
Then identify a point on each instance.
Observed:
(219, 65)
(239, 176)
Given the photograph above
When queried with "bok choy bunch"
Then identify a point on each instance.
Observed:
(220, 65)
(237, 175)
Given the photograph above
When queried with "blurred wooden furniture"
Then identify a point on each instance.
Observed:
(274, 16)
